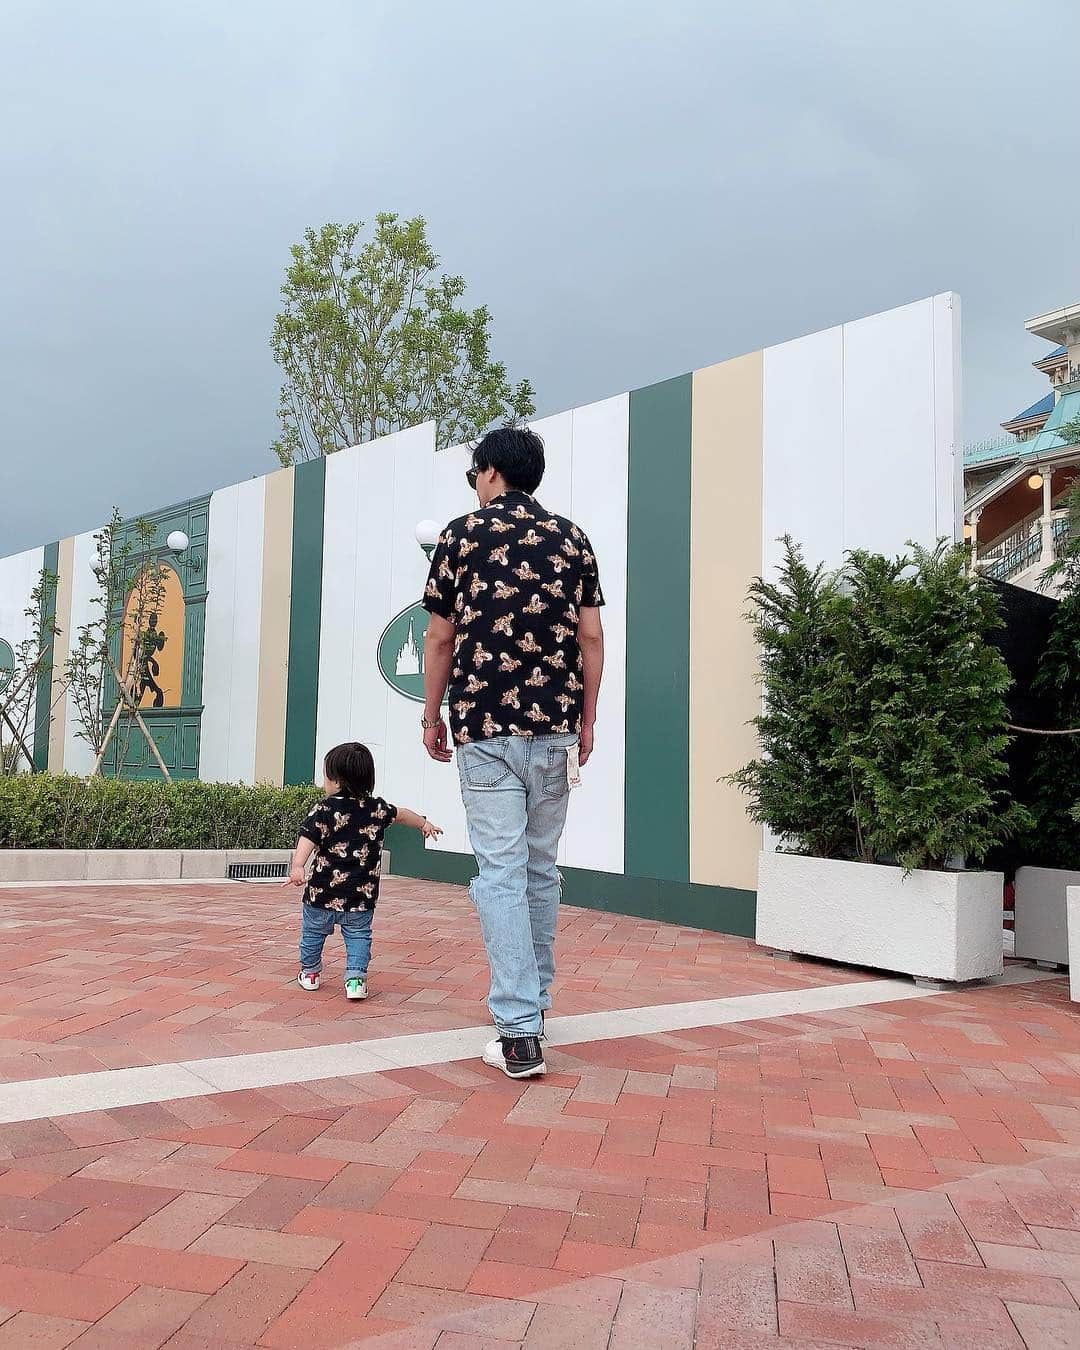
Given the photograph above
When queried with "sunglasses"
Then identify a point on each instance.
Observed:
(471, 476)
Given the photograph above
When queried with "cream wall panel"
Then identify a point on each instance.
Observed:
(61, 650)
(726, 468)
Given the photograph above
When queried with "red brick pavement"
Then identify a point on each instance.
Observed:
(98, 977)
(900, 1176)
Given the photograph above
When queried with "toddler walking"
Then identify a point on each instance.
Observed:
(345, 833)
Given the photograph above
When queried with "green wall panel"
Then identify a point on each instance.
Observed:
(657, 838)
(176, 731)
(719, 909)
(43, 694)
(305, 614)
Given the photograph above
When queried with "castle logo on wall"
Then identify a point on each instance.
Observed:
(401, 652)
(7, 664)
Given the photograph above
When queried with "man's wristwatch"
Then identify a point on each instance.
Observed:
(430, 726)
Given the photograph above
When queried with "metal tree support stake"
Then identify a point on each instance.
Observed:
(126, 699)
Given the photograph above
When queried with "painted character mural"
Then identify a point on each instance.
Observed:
(151, 642)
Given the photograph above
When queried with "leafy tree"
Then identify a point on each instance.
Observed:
(371, 340)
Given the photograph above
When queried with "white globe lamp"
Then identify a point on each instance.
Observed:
(178, 541)
(427, 535)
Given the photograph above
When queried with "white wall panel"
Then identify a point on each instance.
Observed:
(355, 600)
(860, 426)
(78, 755)
(233, 614)
(407, 761)
(450, 497)
(19, 574)
(890, 454)
(556, 491)
(948, 412)
(803, 447)
(594, 830)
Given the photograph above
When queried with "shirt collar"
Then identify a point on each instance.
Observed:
(512, 495)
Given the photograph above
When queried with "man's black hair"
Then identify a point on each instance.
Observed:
(352, 768)
(516, 453)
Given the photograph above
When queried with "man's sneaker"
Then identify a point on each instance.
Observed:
(516, 1056)
(543, 1032)
(356, 988)
(309, 980)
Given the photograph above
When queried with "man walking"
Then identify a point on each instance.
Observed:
(515, 633)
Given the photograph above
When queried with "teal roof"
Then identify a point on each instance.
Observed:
(1067, 409)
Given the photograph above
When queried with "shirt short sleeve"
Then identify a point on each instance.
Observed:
(440, 594)
(592, 595)
(310, 828)
(380, 804)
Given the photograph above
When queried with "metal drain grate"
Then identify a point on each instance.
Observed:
(257, 871)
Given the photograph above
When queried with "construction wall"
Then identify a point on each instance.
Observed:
(296, 602)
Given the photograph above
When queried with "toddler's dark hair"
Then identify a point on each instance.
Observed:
(352, 766)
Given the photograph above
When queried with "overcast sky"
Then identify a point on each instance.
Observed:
(635, 189)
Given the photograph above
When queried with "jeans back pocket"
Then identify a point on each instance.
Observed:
(554, 782)
(482, 766)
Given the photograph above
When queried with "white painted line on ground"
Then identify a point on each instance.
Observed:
(73, 1093)
(127, 881)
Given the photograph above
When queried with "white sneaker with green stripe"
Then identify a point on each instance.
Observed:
(356, 987)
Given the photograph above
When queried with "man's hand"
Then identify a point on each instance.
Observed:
(296, 877)
(430, 830)
(585, 744)
(435, 743)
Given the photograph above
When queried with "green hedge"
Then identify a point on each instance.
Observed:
(53, 811)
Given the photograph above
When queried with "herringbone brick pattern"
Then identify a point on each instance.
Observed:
(98, 978)
(900, 1176)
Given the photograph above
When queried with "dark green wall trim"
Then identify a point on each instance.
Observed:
(657, 820)
(43, 697)
(305, 614)
(718, 909)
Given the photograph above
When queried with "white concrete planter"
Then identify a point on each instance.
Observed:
(933, 925)
(132, 864)
(1072, 909)
(1039, 914)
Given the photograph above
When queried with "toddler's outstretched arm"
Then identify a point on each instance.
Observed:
(303, 851)
(417, 822)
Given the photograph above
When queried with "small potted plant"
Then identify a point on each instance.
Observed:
(881, 771)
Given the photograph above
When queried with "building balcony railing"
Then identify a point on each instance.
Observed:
(992, 451)
(1023, 547)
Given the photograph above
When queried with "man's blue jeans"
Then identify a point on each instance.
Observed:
(316, 926)
(515, 793)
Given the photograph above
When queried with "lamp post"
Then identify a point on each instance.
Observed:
(427, 535)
